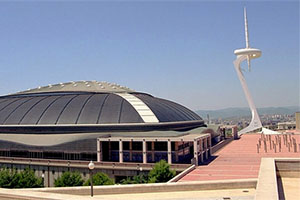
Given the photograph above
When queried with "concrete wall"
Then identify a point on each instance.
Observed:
(53, 172)
(288, 168)
(156, 187)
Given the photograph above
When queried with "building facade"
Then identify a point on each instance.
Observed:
(103, 122)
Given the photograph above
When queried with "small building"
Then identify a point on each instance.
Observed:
(286, 125)
(189, 147)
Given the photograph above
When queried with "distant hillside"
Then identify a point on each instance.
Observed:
(242, 112)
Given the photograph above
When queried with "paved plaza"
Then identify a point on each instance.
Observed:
(241, 160)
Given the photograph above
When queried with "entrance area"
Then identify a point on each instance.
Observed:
(182, 150)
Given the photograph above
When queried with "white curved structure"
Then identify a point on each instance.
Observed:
(247, 54)
(144, 111)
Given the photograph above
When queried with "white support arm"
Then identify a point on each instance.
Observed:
(255, 121)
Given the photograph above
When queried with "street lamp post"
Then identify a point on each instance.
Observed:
(91, 167)
(43, 179)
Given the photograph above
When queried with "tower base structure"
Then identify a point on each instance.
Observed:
(255, 121)
(269, 132)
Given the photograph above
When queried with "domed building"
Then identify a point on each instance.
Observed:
(91, 120)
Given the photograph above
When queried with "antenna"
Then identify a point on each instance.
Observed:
(247, 37)
(246, 28)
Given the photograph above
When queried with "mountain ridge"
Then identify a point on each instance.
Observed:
(245, 111)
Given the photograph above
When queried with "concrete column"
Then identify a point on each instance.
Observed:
(152, 151)
(196, 152)
(176, 151)
(99, 151)
(234, 132)
(201, 150)
(48, 175)
(144, 152)
(206, 147)
(209, 145)
(109, 150)
(183, 149)
(130, 150)
(169, 152)
(121, 151)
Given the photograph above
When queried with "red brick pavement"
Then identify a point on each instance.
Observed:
(240, 159)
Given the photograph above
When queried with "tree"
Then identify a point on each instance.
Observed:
(100, 179)
(10, 178)
(27, 179)
(161, 172)
(69, 179)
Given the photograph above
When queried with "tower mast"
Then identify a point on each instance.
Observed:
(246, 28)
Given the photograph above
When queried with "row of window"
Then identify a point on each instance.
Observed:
(151, 158)
(49, 155)
(138, 146)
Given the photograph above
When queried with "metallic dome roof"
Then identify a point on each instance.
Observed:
(83, 86)
(92, 103)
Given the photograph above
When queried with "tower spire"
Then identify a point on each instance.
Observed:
(246, 28)
(247, 37)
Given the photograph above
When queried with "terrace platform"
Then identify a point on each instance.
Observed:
(241, 158)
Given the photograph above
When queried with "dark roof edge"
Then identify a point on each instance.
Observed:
(59, 128)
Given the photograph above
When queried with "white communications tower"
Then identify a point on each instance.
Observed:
(247, 53)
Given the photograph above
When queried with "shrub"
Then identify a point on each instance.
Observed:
(8, 178)
(161, 172)
(25, 179)
(100, 179)
(69, 179)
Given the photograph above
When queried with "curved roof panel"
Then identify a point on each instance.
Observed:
(68, 109)
(167, 111)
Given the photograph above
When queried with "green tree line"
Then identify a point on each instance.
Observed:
(11, 178)
(161, 172)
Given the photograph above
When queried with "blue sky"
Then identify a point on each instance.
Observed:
(182, 51)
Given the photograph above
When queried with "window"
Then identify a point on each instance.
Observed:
(137, 146)
(126, 146)
(161, 146)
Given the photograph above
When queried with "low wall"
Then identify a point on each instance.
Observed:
(182, 174)
(220, 145)
(267, 181)
(155, 187)
(267, 185)
(288, 168)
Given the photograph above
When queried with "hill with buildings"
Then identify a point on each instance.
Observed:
(244, 112)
